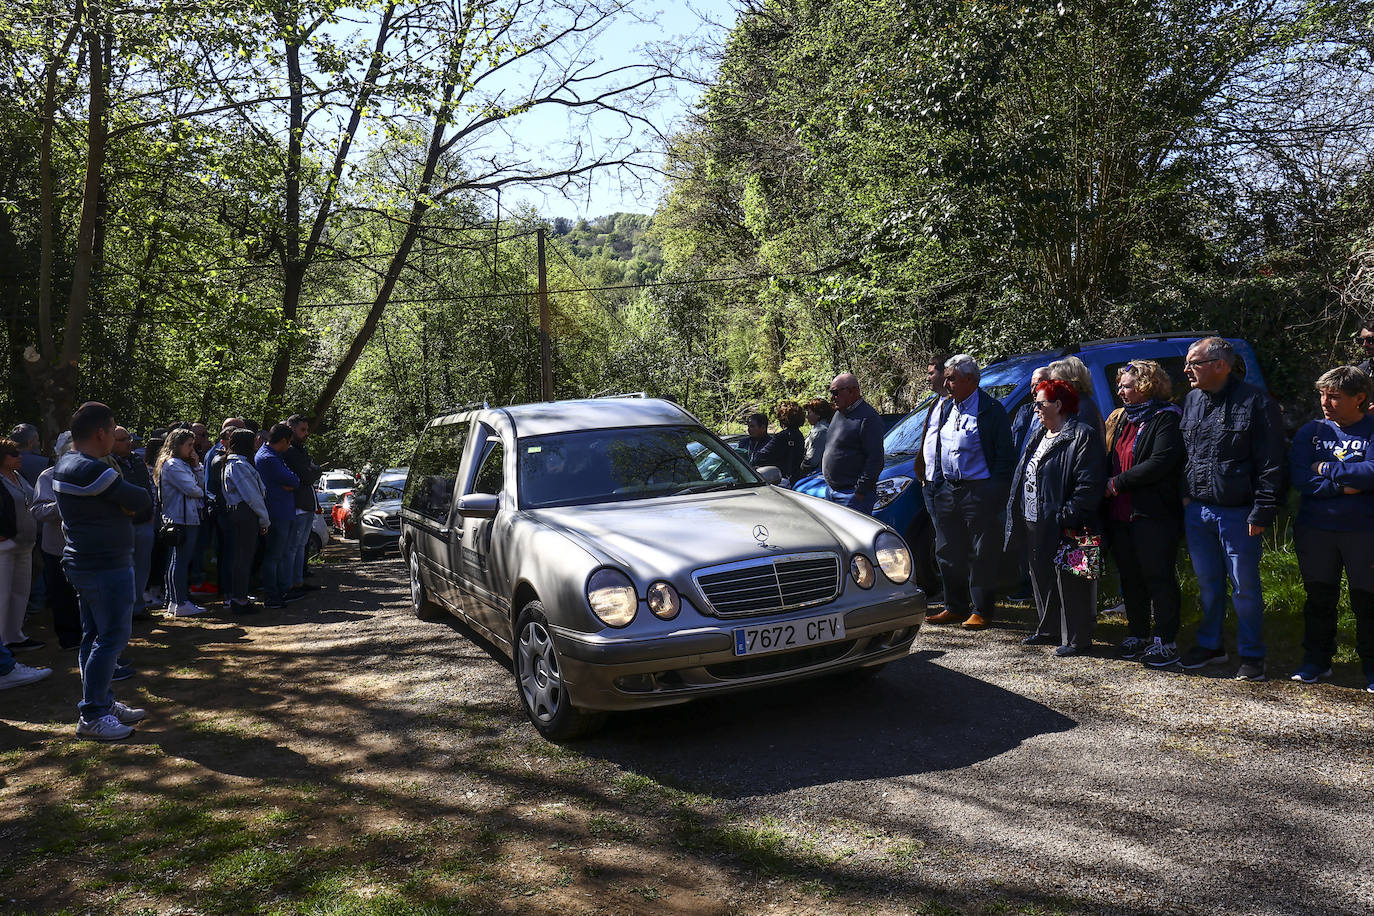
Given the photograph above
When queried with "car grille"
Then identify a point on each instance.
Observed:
(393, 522)
(769, 585)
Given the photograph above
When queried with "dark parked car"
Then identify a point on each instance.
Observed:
(379, 518)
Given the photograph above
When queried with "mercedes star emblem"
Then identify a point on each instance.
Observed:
(760, 534)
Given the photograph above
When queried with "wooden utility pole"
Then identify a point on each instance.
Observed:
(545, 343)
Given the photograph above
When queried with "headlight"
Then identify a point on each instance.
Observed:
(663, 600)
(862, 571)
(612, 597)
(376, 521)
(893, 557)
(890, 489)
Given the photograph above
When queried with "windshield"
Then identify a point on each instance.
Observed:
(613, 465)
(905, 437)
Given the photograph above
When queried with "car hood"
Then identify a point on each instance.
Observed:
(386, 507)
(674, 535)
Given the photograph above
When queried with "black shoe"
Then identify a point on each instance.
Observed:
(292, 595)
(1251, 669)
(122, 673)
(28, 645)
(1038, 639)
(1159, 655)
(308, 587)
(1133, 647)
(1068, 651)
(1197, 657)
(274, 604)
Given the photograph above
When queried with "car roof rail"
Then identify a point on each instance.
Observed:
(1163, 335)
(608, 393)
(471, 405)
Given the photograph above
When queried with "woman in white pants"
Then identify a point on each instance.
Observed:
(18, 534)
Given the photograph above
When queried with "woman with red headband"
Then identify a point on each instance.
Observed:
(1055, 495)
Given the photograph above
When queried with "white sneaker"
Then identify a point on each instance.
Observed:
(106, 728)
(22, 674)
(187, 609)
(127, 715)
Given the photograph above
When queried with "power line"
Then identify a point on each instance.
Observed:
(653, 284)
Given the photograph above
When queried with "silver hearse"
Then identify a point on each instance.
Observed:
(624, 557)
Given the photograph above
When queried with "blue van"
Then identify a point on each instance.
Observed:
(899, 494)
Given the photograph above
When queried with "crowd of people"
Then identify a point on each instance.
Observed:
(120, 528)
(1058, 489)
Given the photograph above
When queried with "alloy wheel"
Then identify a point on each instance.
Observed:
(541, 683)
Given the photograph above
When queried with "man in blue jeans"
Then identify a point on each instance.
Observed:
(280, 485)
(98, 507)
(1232, 486)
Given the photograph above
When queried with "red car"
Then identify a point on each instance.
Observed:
(341, 517)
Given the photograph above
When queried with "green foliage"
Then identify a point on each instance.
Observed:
(995, 179)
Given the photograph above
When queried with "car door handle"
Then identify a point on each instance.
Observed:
(445, 532)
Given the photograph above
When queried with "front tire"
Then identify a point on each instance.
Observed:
(539, 681)
(420, 603)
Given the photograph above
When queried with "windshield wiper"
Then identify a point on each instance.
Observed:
(693, 488)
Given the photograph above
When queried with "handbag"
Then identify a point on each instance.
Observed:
(170, 534)
(1080, 554)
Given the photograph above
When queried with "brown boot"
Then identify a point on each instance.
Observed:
(945, 616)
(975, 622)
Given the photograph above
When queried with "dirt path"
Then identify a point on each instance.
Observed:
(342, 757)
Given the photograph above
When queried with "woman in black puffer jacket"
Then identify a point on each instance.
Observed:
(1144, 508)
(1057, 488)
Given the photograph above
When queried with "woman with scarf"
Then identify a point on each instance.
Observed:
(1144, 509)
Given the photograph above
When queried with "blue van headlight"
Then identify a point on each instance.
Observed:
(890, 489)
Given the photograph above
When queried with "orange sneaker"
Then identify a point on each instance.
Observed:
(975, 622)
(945, 616)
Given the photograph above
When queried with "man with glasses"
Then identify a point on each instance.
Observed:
(969, 461)
(1232, 488)
(1365, 338)
(853, 456)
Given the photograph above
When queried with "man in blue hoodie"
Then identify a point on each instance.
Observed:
(280, 484)
(1332, 468)
(98, 507)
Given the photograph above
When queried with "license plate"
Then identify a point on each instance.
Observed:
(777, 637)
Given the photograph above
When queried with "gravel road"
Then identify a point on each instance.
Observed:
(973, 776)
(1082, 781)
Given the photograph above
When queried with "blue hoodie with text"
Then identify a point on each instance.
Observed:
(1344, 450)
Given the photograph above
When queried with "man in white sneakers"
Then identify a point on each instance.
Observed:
(98, 507)
(15, 674)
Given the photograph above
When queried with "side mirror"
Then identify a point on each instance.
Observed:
(478, 505)
(770, 474)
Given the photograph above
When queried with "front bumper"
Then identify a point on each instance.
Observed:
(616, 672)
(371, 537)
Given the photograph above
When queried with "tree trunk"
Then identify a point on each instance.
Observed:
(55, 373)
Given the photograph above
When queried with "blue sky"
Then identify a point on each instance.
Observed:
(699, 20)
